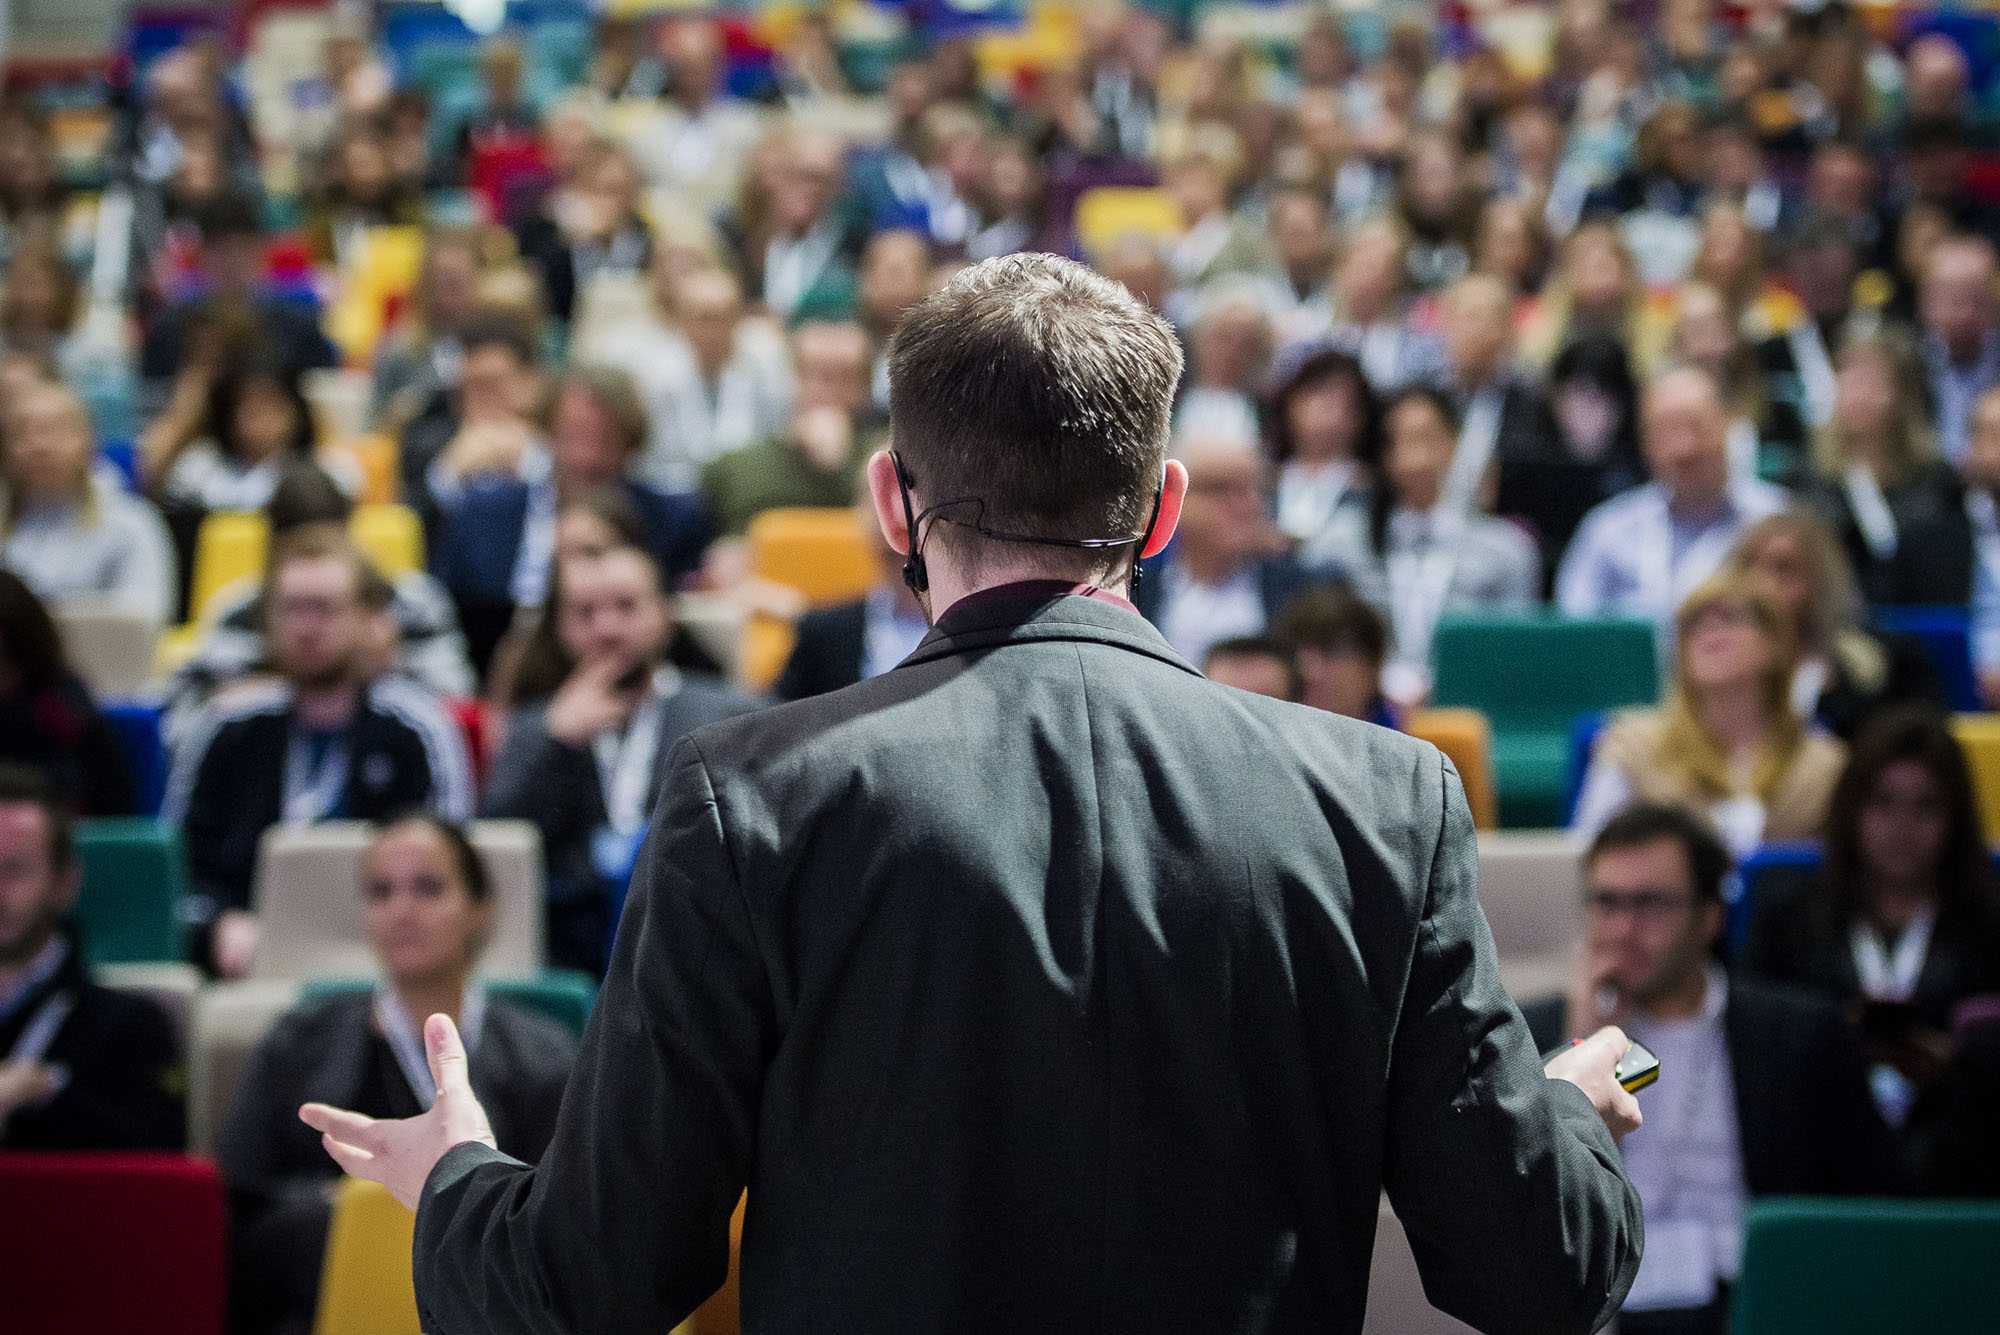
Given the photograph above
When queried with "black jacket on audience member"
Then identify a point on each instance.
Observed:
(125, 1081)
(831, 648)
(61, 732)
(1038, 983)
(1932, 563)
(1806, 1125)
(1795, 939)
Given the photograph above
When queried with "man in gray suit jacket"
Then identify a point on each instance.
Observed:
(585, 765)
(1038, 984)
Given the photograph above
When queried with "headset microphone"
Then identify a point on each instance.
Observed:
(915, 573)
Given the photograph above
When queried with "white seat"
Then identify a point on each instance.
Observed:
(1531, 886)
(309, 909)
(230, 1020)
(110, 648)
(1396, 1301)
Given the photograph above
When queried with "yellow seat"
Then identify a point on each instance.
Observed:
(1979, 737)
(1465, 736)
(719, 1315)
(391, 535)
(821, 552)
(228, 548)
(766, 647)
(374, 459)
(1107, 213)
(365, 1287)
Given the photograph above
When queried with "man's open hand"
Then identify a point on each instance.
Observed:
(401, 1154)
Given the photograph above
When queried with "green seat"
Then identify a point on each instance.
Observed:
(1858, 1267)
(563, 995)
(134, 874)
(1533, 674)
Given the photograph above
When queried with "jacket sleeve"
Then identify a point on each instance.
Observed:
(1507, 1182)
(625, 1223)
(539, 779)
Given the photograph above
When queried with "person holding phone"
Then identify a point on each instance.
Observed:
(1761, 1091)
(585, 766)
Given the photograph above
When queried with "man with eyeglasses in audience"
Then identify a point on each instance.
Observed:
(1762, 1090)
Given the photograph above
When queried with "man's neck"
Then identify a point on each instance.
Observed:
(1689, 506)
(1476, 376)
(1683, 1000)
(324, 708)
(948, 586)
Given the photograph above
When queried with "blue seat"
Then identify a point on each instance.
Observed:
(1582, 741)
(1946, 634)
(122, 455)
(137, 723)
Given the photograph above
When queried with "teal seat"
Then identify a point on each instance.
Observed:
(1533, 674)
(134, 875)
(1859, 1267)
(563, 995)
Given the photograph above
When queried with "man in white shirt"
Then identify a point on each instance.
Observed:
(1961, 338)
(694, 145)
(1762, 1089)
(1640, 553)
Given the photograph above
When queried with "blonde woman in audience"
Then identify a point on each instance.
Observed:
(428, 907)
(74, 536)
(1844, 672)
(1596, 289)
(1727, 742)
(1896, 506)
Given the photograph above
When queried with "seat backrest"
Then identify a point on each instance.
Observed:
(1979, 737)
(137, 723)
(1531, 886)
(110, 648)
(230, 1020)
(1531, 672)
(391, 535)
(1106, 214)
(227, 548)
(1464, 736)
(111, 1242)
(1814, 1264)
(820, 551)
(1803, 856)
(308, 899)
(134, 874)
(365, 1287)
(1946, 634)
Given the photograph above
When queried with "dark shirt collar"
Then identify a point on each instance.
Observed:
(1036, 588)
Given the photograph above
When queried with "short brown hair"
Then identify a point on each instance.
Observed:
(613, 392)
(317, 542)
(1041, 391)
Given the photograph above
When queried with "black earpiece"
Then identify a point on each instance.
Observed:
(915, 573)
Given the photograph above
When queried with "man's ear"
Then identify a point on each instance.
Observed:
(1173, 491)
(888, 501)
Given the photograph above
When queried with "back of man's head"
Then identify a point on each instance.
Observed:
(1038, 393)
(304, 494)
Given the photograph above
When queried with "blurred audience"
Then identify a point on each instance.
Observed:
(586, 764)
(87, 1068)
(1745, 1057)
(331, 737)
(1727, 742)
(48, 719)
(1340, 644)
(840, 645)
(429, 906)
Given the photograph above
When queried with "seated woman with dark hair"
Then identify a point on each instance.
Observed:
(227, 452)
(47, 718)
(429, 911)
(1323, 427)
(1903, 915)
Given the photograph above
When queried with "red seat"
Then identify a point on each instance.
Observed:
(111, 1242)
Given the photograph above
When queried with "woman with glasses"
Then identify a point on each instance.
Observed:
(1727, 741)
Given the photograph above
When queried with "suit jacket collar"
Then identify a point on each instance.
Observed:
(1036, 615)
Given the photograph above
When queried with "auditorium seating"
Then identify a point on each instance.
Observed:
(171, 986)
(1532, 675)
(1859, 1267)
(231, 547)
(1979, 736)
(1530, 885)
(563, 995)
(1946, 634)
(1107, 214)
(111, 649)
(134, 874)
(1465, 737)
(1749, 880)
(101, 1243)
(137, 723)
(230, 1019)
(820, 551)
(366, 1287)
(308, 898)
